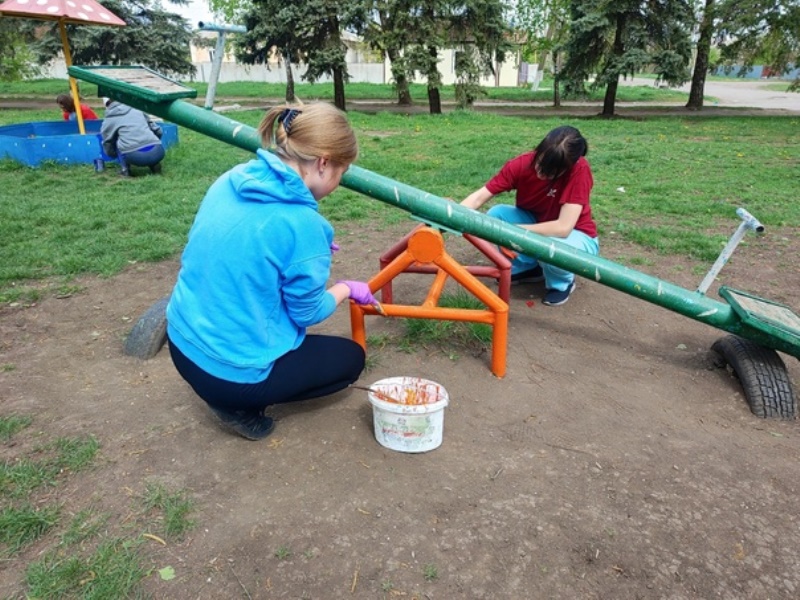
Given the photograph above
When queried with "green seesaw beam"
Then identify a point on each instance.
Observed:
(438, 211)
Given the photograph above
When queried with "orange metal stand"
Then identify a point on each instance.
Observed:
(501, 271)
(426, 247)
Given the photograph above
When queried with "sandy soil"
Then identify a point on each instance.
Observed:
(612, 461)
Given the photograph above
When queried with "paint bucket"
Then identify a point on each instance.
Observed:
(406, 426)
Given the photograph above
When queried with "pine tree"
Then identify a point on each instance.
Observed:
(611, 39)
(153, 37)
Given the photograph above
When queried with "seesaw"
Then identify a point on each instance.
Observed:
(758, 328)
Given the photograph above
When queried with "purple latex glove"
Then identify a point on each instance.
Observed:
(334, 248)
(359, 292)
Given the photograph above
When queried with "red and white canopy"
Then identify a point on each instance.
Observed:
(79, 12)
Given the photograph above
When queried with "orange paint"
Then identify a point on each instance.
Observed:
(426, 247)
(500, 269)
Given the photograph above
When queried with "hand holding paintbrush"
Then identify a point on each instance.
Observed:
(361, 294)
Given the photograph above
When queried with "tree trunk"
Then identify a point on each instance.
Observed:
(610, 98)
(611, 87)
(338, 89)
(403, 91)
(434, 100)
(556, 80)
(701, 60)
(290, 97)
(400, 79)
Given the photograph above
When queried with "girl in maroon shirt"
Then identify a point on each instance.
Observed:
(553, 184)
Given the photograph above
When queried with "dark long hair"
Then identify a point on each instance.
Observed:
(65, 101)
(558, 152)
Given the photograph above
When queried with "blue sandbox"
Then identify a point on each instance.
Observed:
(59, 141)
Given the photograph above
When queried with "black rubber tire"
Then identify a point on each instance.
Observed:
(149, 333)
(763, 376)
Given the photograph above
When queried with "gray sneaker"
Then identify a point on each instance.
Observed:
(250, 425)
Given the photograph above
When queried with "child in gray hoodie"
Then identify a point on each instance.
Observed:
(132, 137)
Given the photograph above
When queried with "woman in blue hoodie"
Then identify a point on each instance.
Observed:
(254, 273)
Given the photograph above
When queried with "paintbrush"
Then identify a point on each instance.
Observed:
(388, 398)
(378, 393)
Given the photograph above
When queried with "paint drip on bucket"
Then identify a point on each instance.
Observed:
(408, 413)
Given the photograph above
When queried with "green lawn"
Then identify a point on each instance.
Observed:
(49, 88)
(683, 178)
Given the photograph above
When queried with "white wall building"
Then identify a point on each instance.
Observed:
(363, 64)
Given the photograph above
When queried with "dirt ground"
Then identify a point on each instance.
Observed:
(612, 461)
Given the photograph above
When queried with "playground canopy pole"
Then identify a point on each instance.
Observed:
(450, 215)
(73, 87)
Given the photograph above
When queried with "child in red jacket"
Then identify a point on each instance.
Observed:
(68, 106)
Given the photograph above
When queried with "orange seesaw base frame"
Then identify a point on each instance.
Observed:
(500, 269)
(426, 247)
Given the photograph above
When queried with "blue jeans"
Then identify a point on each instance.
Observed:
(148, 156)
(554, 278)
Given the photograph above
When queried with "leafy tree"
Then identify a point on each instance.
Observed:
(748, 32)
(480, 28)
(546, 25)
(153, 37)
(308, 30)
(621, 37)
(475, 25)
(16, 59)
(255, 46)
(765, 31)
(390, 32)
(468, 76)
(277, 34)
(328, 53)
(423, 55)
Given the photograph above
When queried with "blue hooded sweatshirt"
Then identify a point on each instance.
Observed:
(253, 274)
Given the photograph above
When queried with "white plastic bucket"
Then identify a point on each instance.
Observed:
(408, 427)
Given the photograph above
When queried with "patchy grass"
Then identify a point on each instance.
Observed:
(450, 334)
(13, 423)
(88, 554)
(172, 508)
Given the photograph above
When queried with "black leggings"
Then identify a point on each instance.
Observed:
(321, 366)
